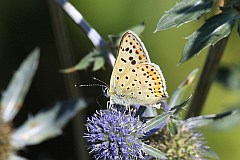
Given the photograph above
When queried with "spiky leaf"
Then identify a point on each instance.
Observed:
(86, 61)
(228, 122)
(17, 89)
(153, 152)
(98, 63)
(46, 124)
(150, 112)
(182, 88)
(93, 57)
(176, 109)
(172, 127)
(200, 121)
(208, 153)
(157, 121)
(183, 12)
(213, 30)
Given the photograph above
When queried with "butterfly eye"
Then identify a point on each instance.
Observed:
(105, 91)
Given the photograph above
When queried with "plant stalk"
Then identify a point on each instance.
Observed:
(208, 74)
(207, 77)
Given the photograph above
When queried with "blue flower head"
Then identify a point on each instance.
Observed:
(114, 135)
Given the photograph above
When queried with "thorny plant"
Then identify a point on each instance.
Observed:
(144, 134)
(164, 136)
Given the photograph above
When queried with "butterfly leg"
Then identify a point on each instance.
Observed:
(128, 107)
(108, 105)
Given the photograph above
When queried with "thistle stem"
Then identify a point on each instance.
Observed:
(207, 77)
(92, 34)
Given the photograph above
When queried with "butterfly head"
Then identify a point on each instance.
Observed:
(105, 90)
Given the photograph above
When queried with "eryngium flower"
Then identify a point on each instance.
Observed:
(187, 143)
(114, 135)
(5, 146)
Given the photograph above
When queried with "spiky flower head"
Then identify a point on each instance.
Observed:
(185, 143)
(114, 135)
(5, 145)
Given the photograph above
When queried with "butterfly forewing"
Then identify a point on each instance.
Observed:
(131, 52)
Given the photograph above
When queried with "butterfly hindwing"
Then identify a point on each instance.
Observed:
(143, 84)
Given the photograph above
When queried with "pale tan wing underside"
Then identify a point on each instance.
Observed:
(131, 52)
(135, 80)
(142, 84)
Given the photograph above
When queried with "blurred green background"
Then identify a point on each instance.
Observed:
(27, 24)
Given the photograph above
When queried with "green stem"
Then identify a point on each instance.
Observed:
(207, 77)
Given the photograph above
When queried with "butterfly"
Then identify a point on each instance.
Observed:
(135, 80)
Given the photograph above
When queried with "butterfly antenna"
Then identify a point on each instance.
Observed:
(103, 85)
(100, 81)
(90, 85)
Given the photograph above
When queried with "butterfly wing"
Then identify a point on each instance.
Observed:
(131, 52)
(135, 80)
(143, 85)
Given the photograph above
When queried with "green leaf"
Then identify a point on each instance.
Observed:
(13, 97)
(228, 122)
(115, 39)
(184, 12)
(68, 109)
(156, 121)
(178, 94)
(98, 63)
(153, 152)
(214, 29)
(172, 127)
(176, 109)
(87, 60)
(94, 57)
(208, 153)
(138, 29)
(83, 64)
(150, 112)
(201, 121)
(47, 124)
